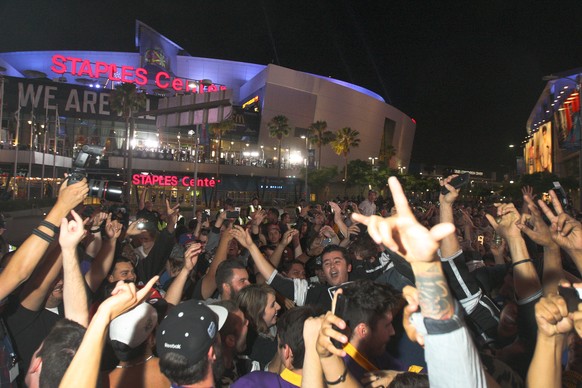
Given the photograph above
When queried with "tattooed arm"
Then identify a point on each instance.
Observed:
(447, 341)
(434, 296)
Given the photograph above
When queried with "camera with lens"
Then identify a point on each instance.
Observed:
(98, 188)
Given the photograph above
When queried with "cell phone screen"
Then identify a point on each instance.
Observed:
(341, 309)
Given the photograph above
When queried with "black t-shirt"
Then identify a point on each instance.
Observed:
(28, 329)
(260, 348)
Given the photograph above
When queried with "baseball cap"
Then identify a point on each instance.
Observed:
(133, 327)
(186, 239)
(189, 330)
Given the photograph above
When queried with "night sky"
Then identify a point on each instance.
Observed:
(469, 72)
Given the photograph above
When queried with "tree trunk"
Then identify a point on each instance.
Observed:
(346, 175)
(319, 154)
(130, 160)
(279, 160)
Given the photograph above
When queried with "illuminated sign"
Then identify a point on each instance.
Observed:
(138, 75)
(172, 180)
(251, 101)
(475, 173)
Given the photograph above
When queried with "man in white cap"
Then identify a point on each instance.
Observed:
(189, 345)
(132, 338)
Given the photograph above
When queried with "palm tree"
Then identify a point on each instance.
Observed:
(127, 100)
(345, 139)
(388, 153)
(320, 136)
(218, 131)
(279, 127)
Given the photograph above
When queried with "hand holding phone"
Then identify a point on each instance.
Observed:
(341, 310)
(232, 214)
(457, 182)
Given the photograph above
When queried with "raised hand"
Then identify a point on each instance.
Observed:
(324, 346)
(566, 231)
(112, 228)
(170, 210)
(242, 235)
(552, 316)
(527, 192)
(450, 197)
(288, 236)
(133, 229)
(72, 232)
(191, 256)
(505, 222)
(72, 195)
(97, 218)
(402, 233)
(327, 231)
(125, 296)
(258, 217)
(533, 225)
(336, 210)
(354, 229)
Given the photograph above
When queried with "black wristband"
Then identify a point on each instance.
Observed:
(521, 261)
(340, 379)
(49, 225)
(43, 235)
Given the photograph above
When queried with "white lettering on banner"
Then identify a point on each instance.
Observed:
(78, 100)
(73, 101)
(103, 102)
(29, 94)
(89, 100)
(49, 97)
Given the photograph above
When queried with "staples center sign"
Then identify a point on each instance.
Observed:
(80, 67)
(172, 180)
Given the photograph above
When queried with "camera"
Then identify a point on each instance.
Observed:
(104, 189)
(232, 214)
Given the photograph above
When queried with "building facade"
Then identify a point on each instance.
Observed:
(54, 102)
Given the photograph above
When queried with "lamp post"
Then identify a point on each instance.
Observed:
(307, 194)
(578, 84)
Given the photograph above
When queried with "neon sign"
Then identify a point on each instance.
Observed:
(172, 180)
(80, 67)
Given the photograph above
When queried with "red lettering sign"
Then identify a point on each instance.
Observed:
(172, 180)
(80, 67)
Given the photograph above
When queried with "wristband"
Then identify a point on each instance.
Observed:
(49, 225)
(43, 235)
(95, 230)
(521, 261)
(340, 379)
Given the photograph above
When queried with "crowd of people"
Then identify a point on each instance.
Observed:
(339, 294)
